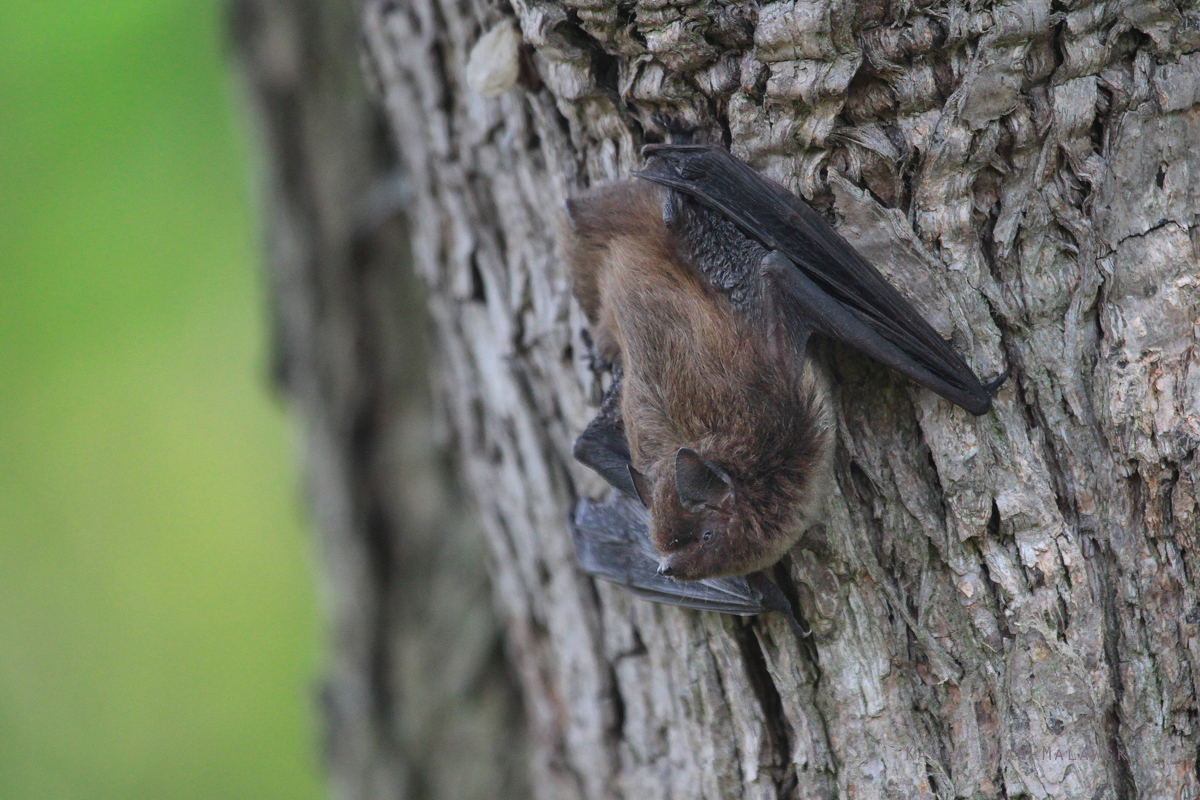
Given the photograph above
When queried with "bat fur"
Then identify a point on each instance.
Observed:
(729, 434)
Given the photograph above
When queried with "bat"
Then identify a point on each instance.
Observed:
(702, 282)
(611, 542)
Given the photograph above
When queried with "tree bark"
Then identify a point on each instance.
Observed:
(418, 701)
(1002, 607)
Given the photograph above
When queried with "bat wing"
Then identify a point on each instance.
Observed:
(820, 279)
(602, 445)
(613, 543)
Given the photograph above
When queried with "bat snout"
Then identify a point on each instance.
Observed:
(665, 568)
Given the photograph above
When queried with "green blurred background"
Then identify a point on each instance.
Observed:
(158, 636)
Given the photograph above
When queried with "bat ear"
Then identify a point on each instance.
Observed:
(700, 484)
(640, 485)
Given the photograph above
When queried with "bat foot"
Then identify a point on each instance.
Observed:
(992, 386)
(773, 599)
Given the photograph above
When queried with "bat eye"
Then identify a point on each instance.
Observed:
(707, 536)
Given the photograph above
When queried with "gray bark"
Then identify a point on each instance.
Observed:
(418, 701)
(1003, 607)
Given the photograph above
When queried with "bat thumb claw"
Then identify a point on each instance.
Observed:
(992, 386)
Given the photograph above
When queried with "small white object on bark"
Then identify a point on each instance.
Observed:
(494, 63)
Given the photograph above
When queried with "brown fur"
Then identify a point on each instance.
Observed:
(697, 375)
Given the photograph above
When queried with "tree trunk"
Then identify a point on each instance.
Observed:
(1002, 607)
(418, 702)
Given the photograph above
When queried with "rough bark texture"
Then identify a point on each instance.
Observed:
(1004, 607)
(418, 701)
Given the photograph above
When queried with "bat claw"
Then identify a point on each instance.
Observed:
(995, 383)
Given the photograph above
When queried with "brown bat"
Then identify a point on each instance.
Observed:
(728, 432)
(702, 283)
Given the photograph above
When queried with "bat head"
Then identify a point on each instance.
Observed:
(702, 523)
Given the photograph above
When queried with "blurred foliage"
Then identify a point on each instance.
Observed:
(157, 622)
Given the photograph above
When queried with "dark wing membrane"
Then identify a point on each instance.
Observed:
(854, 302)
(602, 445)
(613, 543)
